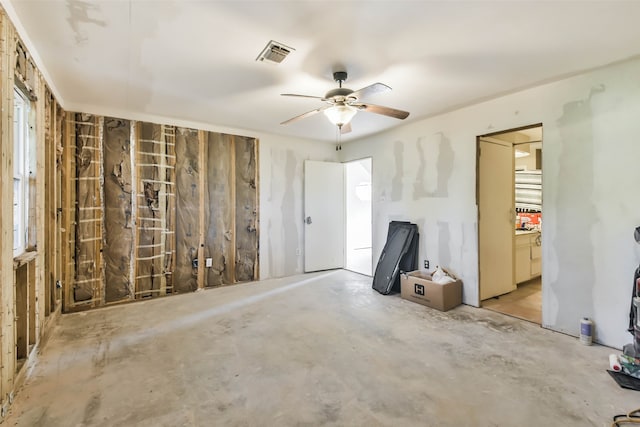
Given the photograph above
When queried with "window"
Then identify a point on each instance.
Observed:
(21, 143)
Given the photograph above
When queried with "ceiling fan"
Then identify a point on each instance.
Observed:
(343, 104)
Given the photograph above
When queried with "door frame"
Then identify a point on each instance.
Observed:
(489, 135)
(346, 214)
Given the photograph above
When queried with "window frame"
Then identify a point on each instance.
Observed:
(21, 170)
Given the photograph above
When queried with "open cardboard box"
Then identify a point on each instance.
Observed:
(417, 286)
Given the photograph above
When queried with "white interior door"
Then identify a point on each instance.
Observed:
(324, 215)
(496, 217)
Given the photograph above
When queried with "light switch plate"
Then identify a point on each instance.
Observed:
(208, 262)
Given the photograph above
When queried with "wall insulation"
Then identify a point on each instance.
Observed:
(88, 284)
(155, 200)
(118, 233)
(172, 198)
(187, 209)
(219, 217)
(231, 216)
(246, 209)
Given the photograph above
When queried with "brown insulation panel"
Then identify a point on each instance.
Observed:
(220, 219)
(187, 210)
(118, 238)
(21, 61)
(246, 208)
(150, 204)
(155, 175)
(88, 277)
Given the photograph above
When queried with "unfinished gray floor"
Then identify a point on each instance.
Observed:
(319, 349)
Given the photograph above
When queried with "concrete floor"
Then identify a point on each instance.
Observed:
(318, 349)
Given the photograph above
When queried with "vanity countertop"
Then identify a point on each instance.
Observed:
(519, 232)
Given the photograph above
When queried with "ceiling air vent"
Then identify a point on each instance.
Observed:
(274, 52)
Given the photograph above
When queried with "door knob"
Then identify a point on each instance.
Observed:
(308, 220)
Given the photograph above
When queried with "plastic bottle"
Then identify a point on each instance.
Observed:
(586, 331)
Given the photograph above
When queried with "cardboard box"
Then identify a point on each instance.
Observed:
(417, 286)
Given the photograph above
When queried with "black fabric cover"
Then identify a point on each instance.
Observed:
(400, 253)
(634, 293)
(625, 381)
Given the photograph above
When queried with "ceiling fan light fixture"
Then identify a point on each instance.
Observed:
(341, 114)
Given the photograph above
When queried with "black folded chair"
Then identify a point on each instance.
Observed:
(400, 254)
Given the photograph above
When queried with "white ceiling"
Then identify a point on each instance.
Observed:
(195, 60)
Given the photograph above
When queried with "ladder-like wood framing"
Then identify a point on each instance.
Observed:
(88, 287)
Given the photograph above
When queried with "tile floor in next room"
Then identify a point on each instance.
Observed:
(524, 303)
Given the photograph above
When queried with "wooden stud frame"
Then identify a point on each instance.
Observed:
(212, 208)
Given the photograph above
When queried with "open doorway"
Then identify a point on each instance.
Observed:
(358, 216)
(511, 283)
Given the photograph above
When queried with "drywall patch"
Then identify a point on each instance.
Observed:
(444, 242)
(396, 184)
(271, 271)
(419, 190)
(79, 12)
(289, 220)
(445, 167)
(576, 216)
(144, 53)
(432, 177)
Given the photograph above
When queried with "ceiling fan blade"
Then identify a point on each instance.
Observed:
(346, 128)
(302, 96)
(385, 111)
(304, 115)
(371, 90)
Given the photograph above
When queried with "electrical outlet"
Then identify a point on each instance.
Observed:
(426, 264)
(208, 262)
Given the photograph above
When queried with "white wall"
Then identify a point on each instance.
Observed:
(281, 202)
(425, 172)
